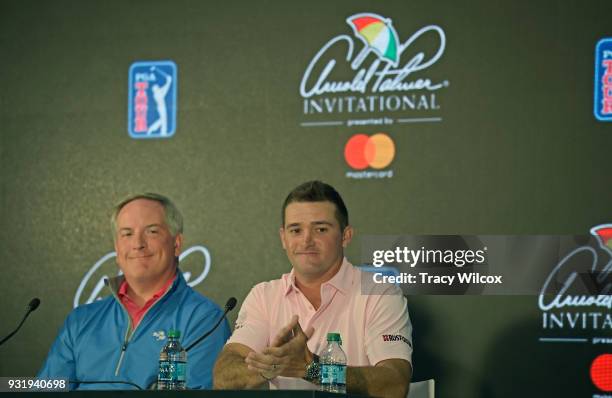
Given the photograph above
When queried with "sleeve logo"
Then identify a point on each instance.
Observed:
(396, 337)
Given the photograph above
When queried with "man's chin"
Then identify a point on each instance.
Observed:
(310, 269)
(307, 262)
(139, 271)
(138, 276)
(144, 273)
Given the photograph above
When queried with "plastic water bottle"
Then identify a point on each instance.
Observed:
(333, 365)
(172, 364)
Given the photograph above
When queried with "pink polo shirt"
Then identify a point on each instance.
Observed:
(373, 326)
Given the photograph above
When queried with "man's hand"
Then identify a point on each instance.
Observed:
(288, 354)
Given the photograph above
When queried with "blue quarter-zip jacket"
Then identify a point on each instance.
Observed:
(95, 343)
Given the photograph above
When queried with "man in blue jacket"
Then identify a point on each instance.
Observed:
(118, 339)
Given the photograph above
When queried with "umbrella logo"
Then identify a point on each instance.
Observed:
(603, 234)
(378, 35)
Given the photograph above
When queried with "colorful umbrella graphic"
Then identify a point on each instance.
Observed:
(603, 233)
(378, 35)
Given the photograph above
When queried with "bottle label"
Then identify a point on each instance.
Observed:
(164, 372)
(172, 372)
(333, 374)
(177, 371)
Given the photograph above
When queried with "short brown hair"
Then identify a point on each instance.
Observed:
(317, 191)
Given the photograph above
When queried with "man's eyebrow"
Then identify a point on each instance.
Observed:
(322, 223)
(154, 225)
(295, 224)
(147, 226)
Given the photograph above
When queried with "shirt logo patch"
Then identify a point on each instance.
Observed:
(396, 337)
(159, 335)
(241, 319)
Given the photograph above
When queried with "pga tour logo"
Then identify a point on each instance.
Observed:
(152, 99)
(603, 80)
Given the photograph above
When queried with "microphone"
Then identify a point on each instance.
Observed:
(32, 306)
(231, 303)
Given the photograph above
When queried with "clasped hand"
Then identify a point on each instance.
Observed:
(287, 355)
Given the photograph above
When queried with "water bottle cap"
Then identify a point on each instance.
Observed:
(174, 333)
(334, 337)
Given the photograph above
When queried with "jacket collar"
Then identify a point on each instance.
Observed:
(114, 283)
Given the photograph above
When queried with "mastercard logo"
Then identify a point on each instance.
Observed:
(601, 372)
(363, 151)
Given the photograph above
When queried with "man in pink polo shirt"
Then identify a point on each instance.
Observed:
(283, 324)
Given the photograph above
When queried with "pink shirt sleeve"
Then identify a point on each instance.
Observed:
(252, 325)
(388, 328)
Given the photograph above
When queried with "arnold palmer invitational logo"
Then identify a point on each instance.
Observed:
(374, 78)
(580, 318)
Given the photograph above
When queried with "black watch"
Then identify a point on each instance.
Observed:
(313, 370)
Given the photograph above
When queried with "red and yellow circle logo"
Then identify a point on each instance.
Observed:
(601, 372)
(375, 151)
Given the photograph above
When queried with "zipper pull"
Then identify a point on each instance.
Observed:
(123, 348)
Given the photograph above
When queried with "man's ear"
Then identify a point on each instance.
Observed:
(178, 244)
(281, 232)
(347, 235)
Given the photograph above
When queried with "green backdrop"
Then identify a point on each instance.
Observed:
(517, 151)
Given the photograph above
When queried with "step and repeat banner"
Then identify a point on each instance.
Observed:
(470, 141)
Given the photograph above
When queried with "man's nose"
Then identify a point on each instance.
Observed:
(307, 236)
(138, 242)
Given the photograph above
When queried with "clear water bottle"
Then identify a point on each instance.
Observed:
(172, 364)
(333, 365)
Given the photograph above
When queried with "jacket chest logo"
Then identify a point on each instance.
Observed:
(159, 335)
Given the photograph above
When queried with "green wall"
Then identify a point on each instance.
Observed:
(518, 151)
